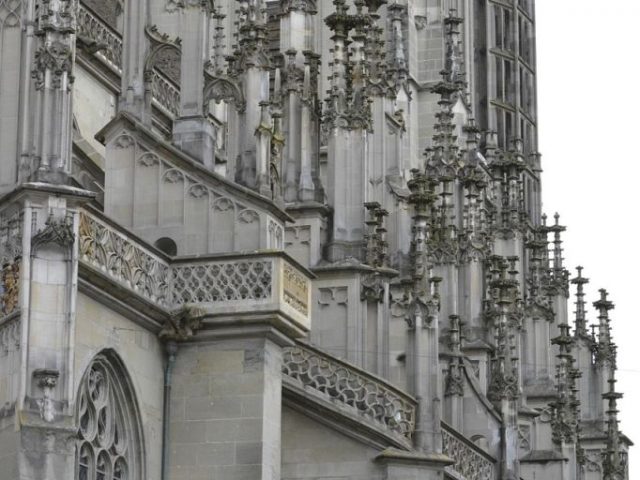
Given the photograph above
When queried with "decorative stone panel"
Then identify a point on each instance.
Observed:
(368, 395)
(114, 254)
(471, 463)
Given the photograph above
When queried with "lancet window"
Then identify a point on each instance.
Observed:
(108, 431)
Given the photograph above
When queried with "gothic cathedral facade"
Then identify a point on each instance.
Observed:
(288, 240)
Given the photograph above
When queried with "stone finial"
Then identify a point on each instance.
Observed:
(581, 318)
(218, 42)
(376, 244)
(503, 305)
(565, 418)
(454, 381)
(605, 349)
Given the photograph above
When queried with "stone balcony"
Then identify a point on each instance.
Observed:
(238, 284)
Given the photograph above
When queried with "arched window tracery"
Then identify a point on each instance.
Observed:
(109, 439)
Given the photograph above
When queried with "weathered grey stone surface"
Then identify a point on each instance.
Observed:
(287, 240)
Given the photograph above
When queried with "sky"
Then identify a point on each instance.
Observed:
(588, 59)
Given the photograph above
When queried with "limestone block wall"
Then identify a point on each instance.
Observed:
(225, 411)
(9, 442)
(99, 328)
(93, 107)
(311, 450)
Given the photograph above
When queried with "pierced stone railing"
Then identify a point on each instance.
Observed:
(109, 41)
(339, 381)
(108, 45)
(471, 462)
(220, 284)
(165, 93)
(112, 252)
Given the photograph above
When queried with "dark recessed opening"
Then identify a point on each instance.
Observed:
(167, 245)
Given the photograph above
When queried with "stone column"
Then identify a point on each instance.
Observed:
(48, 282)
(133, 98)
(252, 65)
(52, 73)
(192, 132)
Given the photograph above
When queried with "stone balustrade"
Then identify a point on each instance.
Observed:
(219, 284)
(107, 44)
(369, 396)
(471, 462)
(106, 40)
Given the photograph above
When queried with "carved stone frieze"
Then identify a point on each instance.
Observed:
(295, 289)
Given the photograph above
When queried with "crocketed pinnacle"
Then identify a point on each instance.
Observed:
(581, 318)
(605, 349)
(613, 464)
(564, 418)
(443, 157)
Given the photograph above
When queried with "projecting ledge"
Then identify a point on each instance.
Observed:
(260, 288)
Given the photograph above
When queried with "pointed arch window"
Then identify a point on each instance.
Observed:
(109, 435)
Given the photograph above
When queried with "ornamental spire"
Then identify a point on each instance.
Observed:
(613, 463)
(581, 318)
(564, 418)
(443, 157)
(504, 296)
(605, 349)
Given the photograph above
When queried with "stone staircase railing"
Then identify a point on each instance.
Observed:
(471, 462)
(108, 45)
(367, 395)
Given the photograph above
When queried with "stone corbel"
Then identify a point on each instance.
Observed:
(46, 380)
(181, 325)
